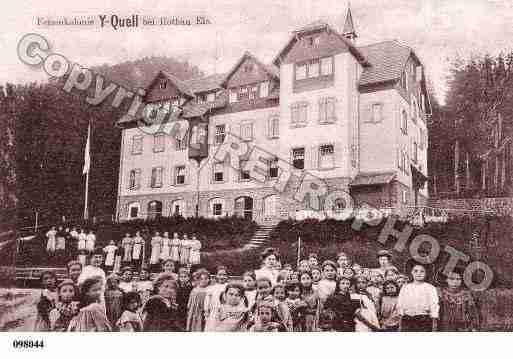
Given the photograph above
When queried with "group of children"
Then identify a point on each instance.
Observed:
(65, 241)
(327, 296)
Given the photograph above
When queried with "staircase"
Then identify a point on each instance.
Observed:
(260, 237)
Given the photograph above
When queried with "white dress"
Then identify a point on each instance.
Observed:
(156, 243)
(138, 247)
(50, 244)
(82, 241)
(165, 250)
(90, 242)
(110, 253)
(367, 310)
(195, 256)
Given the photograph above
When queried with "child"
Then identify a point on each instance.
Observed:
(279, 294)
(169, 268)
(183, 293)
(249, 282)
(113, 299)
(195, 255)
(52, 241)
(391, 274)
(214, 295)
(90, 242)
(94, 269)
(144, 286)
(91, 316)
(137, 250)
(175, 248)
(295, 306)
(418, 303)
(232, 314)
(384, 259)
(126, 284)
(313, 260)
(348, 273)
(367, 318)
(268, 319)
(47, 301)
(316, 276)
(458, 311)
(156, 245)
(66, 307)
(74, 270)
(343, 262)
(358, 270)
(343, 308)
(81, 245)
(110, 254)
(196, 304)
(326, 286)
(304, 266)
(130, 320)
(185, 250)
(127, 243)
(375, 287)
(161, 310)
(389, 314)
(313, 303)
(165, 251)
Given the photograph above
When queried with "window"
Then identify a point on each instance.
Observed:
(264, 89)
(326, 156)
(211, 97)
(414, 109)
(298, 114)
(133, 210)
(327, 110)
(217, 209)
(415, 152)
(134, 181)
(253, 92)
(377, 112)
(274, 127)
(137, 145)
(246, 131)
(248, 67)
(405, 196)
(233, 96)
(313, 69)
(156, 177)
(404, 122)
(339, 205)
(220, 134)
(181, 143)
(180, 175)
(163, 84)
(159, 142)
(422, 139)
(218, 172)
(244, 172)
(298, 158)
(243, 93)
(301, 72)
(327, 66)
(201, 98)
(273, 168)
(404, 80)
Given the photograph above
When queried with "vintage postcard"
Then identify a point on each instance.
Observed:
(272, 166)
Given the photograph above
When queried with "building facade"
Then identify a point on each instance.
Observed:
(325, 111)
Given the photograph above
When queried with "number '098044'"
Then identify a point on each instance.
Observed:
(28, 344)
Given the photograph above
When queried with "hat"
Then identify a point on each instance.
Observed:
(66, 281)
(384, 253)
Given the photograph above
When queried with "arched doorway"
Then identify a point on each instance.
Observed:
(244, 207)
(270, 207)
(178, 208)
(154, 209)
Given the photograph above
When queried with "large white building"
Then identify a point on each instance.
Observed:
(352, 117)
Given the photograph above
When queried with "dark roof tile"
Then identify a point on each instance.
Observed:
(387, 60)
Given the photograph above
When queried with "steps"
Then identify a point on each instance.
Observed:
(260, 237)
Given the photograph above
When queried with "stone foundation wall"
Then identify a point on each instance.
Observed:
(502, 206)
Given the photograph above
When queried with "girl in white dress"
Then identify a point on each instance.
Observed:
(137, 252)
(82, 240)
(195, 255)
(50, 244)
(175, 247)
(90, 242)
(156, 245)
(127, 242)
(165, 250)
(110, 254)
(185, 250)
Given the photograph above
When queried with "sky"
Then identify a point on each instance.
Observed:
(438, 30)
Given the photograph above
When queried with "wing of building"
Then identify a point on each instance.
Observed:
(327, 125)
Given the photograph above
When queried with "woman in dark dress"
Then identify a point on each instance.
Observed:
(343, 309)
(161, 313)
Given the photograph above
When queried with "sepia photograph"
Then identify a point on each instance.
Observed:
(232, 166)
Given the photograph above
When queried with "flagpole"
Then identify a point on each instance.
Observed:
(298, 251)
(87, 166)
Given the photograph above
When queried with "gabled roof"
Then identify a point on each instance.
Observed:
(349, 25)
(387, 61)
(180, 85)
(269, 69)
(319, 26)
(205, 84)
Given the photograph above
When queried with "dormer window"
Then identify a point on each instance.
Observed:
(248, 67)
(301, 72)
(163, 84)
